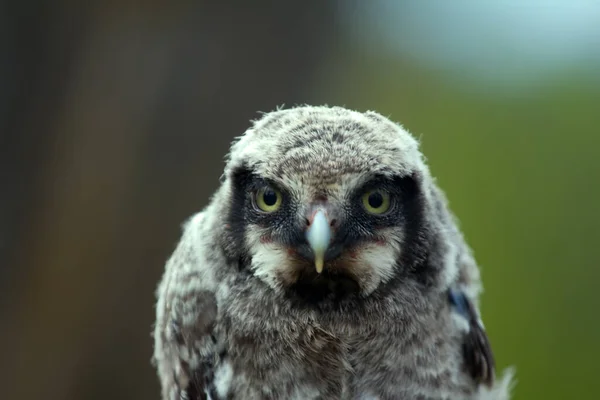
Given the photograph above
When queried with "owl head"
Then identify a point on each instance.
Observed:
(326, 203)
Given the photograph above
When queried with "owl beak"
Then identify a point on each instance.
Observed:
(318, 236)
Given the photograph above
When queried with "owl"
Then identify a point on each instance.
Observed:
(326, 266)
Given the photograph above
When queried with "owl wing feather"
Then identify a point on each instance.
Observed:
(477, 351)
(185, 347)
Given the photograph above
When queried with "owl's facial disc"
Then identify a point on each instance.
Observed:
(320, 198)
(342, 238)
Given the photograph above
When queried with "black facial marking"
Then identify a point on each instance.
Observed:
(324, 288)
(242, 212)
(236, 218)
(419, 236)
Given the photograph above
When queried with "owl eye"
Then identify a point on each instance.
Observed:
(376, 201)
(268, 199)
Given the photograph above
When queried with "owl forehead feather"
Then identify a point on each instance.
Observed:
(323, 145)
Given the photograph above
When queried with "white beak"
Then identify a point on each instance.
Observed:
(318, 236)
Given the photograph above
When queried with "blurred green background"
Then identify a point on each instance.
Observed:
(116, 117)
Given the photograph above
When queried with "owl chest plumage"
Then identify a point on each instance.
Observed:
(272, 351)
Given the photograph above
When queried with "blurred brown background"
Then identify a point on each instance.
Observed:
(116, 117)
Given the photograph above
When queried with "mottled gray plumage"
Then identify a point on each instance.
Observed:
(243, 314)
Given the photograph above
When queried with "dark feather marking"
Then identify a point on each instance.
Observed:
(195, 383)
(201, 382)
(477, 350)
(323, 290)
(416, 257)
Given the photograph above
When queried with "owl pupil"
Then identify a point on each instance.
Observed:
(270, 197)
(375, 200)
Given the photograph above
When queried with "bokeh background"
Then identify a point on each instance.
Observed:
(116, 117)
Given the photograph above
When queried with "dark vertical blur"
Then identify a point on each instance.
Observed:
(115, 119)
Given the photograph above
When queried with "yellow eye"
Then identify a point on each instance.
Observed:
(376, 201)
(268, 199)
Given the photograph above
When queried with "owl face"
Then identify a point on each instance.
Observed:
(325, 208)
